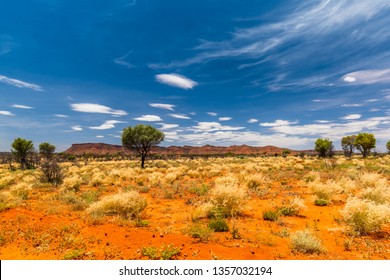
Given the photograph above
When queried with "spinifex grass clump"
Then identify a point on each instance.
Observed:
(304, 241)
(292, 207)
(227, 198)
(364, 216)
(127, 205)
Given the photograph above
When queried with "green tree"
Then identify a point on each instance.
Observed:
(324, 147)
(46, 150)
(141, 138)
(348, 144)
(21, 149)
(364, 142)
(388, 146)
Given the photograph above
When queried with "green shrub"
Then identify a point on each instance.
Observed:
(218, 225)
(321, 202)
(200, 232)
(270, 215)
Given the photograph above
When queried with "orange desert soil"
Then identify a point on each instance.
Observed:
(30, 232)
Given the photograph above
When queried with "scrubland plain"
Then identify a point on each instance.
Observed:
(216, 208)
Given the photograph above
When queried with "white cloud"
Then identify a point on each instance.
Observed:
(238, 138)
(165, 126)
(176, 80)
(367, 77)
(253, 120)
(372, 100)
(213, 114)
(19, 83)
(351, 105)
(106, 125)
(60, 116)
(149, 118)
(351, 117)
(277, 123)
(162, 106)
(322, 121)
(76, 128)
(349, 79)
(21, 106)
(96, 108)
(225, 118)
(212, 126)
(6, 113)
(335, 130)
(99, 136)
(180, 116)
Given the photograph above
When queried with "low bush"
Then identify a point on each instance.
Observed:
(127, 205)
(364, 216)
(218, 225)
(304, 241)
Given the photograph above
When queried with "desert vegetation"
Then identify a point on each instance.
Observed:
(291, 207)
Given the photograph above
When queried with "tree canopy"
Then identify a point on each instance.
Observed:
(324, 147)
(141, 138)
(46, 150)
(348, 144)
(21, 148)
(364, 142)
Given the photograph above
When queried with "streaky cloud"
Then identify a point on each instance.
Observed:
(96, 108)
(180, 116)
(18, 106)
(162, 106)
(19, 83)
(176, 80)
(6, 113)
(148, 118)
(367, 77)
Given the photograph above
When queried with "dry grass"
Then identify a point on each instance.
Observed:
(128, 205)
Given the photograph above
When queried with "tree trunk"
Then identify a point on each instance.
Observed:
(143, 161)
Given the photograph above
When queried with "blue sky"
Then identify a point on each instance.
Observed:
(252, 72)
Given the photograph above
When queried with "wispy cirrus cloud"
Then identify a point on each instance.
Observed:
(106, 125)
(6, 44)
(310, 19)
(18, 106)
(176, 80)
(213, 114)
(180, 116)
(148, 118)
(96, 108)
(162, 106)
(122, 61)
(61, 116)
(252, 120)
(367, 77)
(19, 83)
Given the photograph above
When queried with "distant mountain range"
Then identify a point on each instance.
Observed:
(104, 149)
